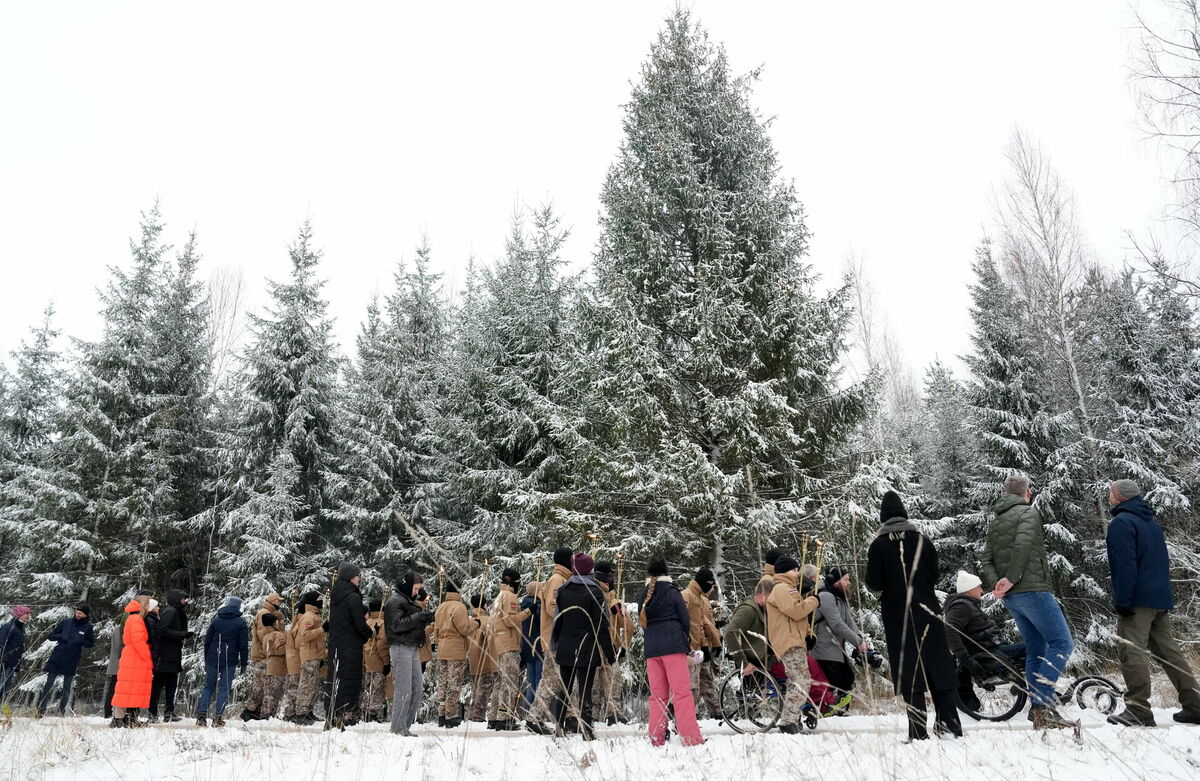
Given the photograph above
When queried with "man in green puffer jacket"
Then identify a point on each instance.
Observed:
(1014, 560)
(746, 632)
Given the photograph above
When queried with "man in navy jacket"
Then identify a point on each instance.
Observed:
(1141, 581)
(72, 635)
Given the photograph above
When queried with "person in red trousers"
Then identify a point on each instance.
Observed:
(664, 620)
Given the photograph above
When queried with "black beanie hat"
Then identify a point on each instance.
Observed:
(348, 571)
(562, 557)
(84, 608)
(892, 507)
(375, 605)
(833, 575)
(603, 572)
(477, 600)
(268, 619)
(451, 587)
(510, 577)
(657, 568)
(704, 576)
(785, 564)
(309, 598)
(772, 556)
(405, 584)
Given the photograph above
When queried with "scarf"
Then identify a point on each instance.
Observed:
(896, 526)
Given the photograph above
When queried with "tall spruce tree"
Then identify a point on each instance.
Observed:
(700, 280)
(286, 436)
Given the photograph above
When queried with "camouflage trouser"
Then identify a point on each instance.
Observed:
(272, 693)
(482, 687)
(289, 695)
(795, 663)
(550, 689)
(606, 692)
(704, 688)
(503, 706)
(374, 689)
(309, 686)
(450, 677)
(258, 682)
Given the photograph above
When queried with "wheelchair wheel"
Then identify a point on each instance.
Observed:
(997, 699)
(1099, 694)
(750, 704)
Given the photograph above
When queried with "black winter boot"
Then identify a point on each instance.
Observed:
(201, 720)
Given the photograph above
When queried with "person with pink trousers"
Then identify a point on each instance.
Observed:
(664, 619)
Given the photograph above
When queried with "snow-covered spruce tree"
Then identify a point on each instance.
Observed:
(286, 435)
(32, 392)
(84, 508)
(711, 361)
(945, 453)
(395, 391)
(179, 434)
(504, 467)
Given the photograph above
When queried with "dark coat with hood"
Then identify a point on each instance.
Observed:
(531, 630)
(153, 635)
(581, 637)
(348, 629)
(227, 641)
(668, 626)
(1016, 547)
(72, 636)
(900, 557)
(1137, 557)
(969, 630)
(404, 621)
(172, 633)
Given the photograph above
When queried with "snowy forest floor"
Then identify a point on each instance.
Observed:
(854, 747)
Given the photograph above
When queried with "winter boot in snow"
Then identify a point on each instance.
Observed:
(250, 715)
(1130, 718)
(451, 723)
(1186, 716)
(201, 720)
(1050, 718)
(121, 723)
(536, 727)
(218, 721)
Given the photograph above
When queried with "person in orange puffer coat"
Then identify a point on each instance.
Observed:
(135, 673)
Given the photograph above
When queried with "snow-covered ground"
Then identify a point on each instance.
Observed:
(867, 747)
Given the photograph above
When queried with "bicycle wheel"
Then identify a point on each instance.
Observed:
(1098, 693)
(750, 704)
(996, 699)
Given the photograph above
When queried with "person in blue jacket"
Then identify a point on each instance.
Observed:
(1142, 599)
(226, 650)
(531, 656)
(12, 647)
(72, 635)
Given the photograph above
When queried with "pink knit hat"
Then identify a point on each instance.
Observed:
(21, 612)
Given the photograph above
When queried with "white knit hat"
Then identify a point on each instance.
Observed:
(966, 581)
(153, 604)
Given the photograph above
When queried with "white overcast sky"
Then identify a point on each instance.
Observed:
(385, 120)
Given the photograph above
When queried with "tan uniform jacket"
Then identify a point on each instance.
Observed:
(787, 615)
(507, 616)
(452, 627)
(376, 655)
(291, 649)
(480, 656)
(702, 632)
(310, 636)
(274, 643)
(620, 625)
(549, 594)
(270, 605)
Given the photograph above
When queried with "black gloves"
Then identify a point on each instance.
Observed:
(427, 617)
(1123, 610)
(387, 668)
(972, 665)
(721, 624)
(716, 651)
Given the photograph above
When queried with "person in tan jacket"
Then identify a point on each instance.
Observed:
(550, 689)
(453, 629)
(769, 559)
(606, 694)
(377, 664)
(252, 709)
(274, 646)
(310, 643)
(292, 655)
(481, 661)
(787, 631)
(507, 617)
(703, 636)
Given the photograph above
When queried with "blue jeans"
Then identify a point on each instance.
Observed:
(1048, 643)
(212, 676)
(533, 676)
(64, 700)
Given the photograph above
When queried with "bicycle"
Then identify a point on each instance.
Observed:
(754, 703)
(1000, 694)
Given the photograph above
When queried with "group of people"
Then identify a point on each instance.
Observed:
(550, 654)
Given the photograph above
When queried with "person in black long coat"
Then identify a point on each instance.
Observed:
(173, 632)
(899, 559)
(581, 639)
(348, 631)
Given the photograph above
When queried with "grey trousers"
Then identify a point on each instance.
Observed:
(407, 685)
(1150, 630)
